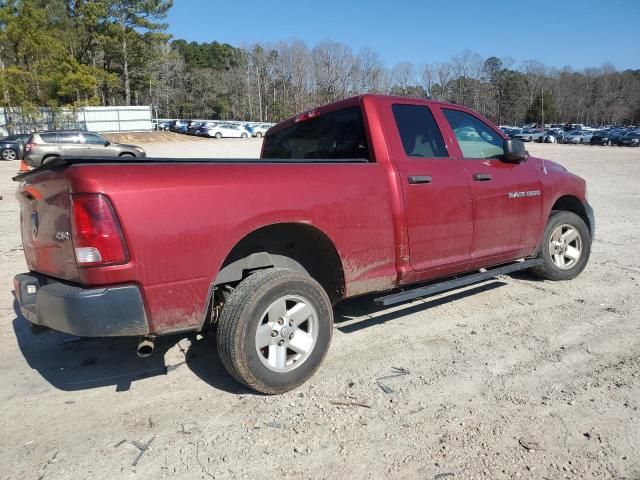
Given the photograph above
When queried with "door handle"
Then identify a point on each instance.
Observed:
(482, 177)
(417, 179)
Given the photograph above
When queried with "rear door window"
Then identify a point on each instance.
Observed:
(419, 131)
(49, 137)
(476, 139)
(68, 137)
(333, 135)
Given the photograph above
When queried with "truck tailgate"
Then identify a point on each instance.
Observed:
(46, 226)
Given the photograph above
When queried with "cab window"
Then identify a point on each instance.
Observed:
(339, 134)
(419, 132)
(476, 138)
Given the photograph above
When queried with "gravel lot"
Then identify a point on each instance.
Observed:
(516, 378)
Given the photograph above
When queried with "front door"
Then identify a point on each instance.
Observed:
(438, 202)
(506, 196)
(95, 145)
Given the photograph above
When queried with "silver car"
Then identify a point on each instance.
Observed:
(529, 135)
(44, 146)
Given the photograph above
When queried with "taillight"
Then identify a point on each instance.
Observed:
(97, 236)
(29, 146)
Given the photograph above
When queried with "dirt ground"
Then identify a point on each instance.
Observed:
(150, 137)
(515, 378)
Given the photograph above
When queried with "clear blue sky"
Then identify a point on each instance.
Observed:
(577, 33)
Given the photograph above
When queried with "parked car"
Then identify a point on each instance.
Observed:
(177, 125)
(600, 137)
(193, 127)
(616, 135)
(45, 146)
(12, 146)
(551, 135)
(203, 130)
(631, 139)
(578, 136)
(264, 269)
(260, 130)
(228, 130)
(513, 132)
(529, 135)
(161, 126)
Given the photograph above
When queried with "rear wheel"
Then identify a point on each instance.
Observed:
(259, 134)
(9, 154)
(274, 330)
(565, 249)
(218, 135)
(244, 135)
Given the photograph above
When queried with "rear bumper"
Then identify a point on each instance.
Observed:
(116, 311)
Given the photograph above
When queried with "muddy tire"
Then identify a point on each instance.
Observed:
(275, 330)
(565, 248)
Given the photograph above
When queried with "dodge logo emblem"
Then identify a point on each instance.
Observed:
(34, 224)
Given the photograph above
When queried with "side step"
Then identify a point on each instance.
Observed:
(457, 282)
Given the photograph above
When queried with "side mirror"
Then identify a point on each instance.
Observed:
(514, 150)
(107, 143)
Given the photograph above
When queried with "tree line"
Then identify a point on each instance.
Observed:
(116, 52)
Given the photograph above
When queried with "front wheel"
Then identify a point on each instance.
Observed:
(259, 134)
(218, 135)
(244, 135)
(274, 330)
(565, 249)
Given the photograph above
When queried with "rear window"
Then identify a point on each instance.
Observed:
(335, 135)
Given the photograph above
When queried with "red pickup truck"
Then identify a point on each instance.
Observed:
(364, 195)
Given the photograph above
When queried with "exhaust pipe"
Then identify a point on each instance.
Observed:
(145, 347)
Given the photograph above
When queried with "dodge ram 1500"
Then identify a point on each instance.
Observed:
(364, 195)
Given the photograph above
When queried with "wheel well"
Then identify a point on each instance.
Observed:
(47, 157)
(570, 203)
(122, 154)
(286, 245)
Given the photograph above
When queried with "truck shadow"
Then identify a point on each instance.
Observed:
(73, 363)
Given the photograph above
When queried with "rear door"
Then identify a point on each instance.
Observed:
(70, 143)
(506, 196)
(438, 203)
